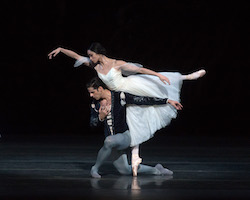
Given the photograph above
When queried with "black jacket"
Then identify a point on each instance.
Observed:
(118, 111)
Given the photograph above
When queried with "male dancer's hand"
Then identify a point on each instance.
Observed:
(104, 110)
(176, 104)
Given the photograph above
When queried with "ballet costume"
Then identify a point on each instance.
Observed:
(144, 121)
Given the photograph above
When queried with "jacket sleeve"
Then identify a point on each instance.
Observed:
(94, 115)
(127, 98)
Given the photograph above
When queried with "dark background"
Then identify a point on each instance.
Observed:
(41, 96)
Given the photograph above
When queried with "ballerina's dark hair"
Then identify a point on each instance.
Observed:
(96, 83)
(97, 48)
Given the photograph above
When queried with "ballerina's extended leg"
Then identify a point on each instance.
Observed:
(194, 75)
(136, 160)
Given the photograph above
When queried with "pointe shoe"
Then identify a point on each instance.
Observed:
(135, 164)
(195, 75)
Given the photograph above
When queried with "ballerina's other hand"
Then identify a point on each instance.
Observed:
(164, 79)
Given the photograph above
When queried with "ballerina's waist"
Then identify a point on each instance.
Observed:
(116, 86)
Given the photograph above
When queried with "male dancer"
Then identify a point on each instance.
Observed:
(110, 108)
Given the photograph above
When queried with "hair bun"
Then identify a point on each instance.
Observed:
(97, 48)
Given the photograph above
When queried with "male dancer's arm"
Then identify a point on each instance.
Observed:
(141, 100)
(94, 115)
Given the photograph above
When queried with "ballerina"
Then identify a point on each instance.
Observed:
(144, 121)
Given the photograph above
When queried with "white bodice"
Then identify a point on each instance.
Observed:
(113, 79)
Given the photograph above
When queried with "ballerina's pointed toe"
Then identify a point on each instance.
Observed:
(195, 75)
(135, 164)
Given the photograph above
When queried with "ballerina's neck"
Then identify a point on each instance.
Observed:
(104, 71)
(105, 65)
(105, 61)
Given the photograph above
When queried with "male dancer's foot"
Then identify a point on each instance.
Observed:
(164, 171)
(94, 172)
(194, 75)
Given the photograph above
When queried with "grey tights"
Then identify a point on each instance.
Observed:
(118, 142)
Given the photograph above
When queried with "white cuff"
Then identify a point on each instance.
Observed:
(81, 61)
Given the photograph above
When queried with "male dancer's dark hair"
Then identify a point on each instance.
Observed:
(96, 83)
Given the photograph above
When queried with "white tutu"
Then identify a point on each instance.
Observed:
(144, 121)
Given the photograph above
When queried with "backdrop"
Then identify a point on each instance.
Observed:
(41, 96)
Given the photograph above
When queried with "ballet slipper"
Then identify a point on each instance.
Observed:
(94, 173)
(195, 75)
(135, 164)
(164, 171)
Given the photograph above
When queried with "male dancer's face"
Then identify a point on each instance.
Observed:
(95, 93)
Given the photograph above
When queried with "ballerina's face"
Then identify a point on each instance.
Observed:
(94, 57)
(95, 93)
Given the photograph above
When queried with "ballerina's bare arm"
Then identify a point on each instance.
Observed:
(79, 59)
(121, 65)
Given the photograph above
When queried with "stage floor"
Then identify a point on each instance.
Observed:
(53, 167)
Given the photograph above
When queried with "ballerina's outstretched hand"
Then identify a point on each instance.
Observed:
(68, 53)
(54, 53)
